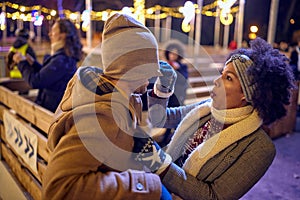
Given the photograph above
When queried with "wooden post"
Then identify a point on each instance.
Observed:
(240, 23)
(272, 21)
(88, 6)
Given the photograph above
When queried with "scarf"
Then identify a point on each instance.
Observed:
(231, 116)
(94, 80)
(245, 121)
(219, 142)
(56, 46)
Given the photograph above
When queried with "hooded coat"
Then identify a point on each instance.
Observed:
(91, 146)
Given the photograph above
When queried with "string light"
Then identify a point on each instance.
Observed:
(138, 10)
(188, 11)
(2, 21)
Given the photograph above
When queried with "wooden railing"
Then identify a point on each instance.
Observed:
(23, 129)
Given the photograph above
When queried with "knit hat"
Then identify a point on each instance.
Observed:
(241, 63)
(129, 49)
(22, 33)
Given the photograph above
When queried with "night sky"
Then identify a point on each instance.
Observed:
(256, 13)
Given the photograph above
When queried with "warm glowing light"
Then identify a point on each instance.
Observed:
(22, 9)
(73, 16)
(226, 18)
(185, 27)
(188, 12)
(126, 10)
(252, 36)
(253, 29)
(22, 16)
(53, 12)
(15, 6)
(85, 17)
(2, 18)
(2, 27)
(208, 13)
(139, 10)
(104, 16)
(292, 21)
(150, 11)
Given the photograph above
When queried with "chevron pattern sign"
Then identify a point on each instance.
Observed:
(22, 141)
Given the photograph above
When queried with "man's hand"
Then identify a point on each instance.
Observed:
(164, 85)
(149, 153)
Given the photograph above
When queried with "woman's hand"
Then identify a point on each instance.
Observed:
(29, 59)
(18, 57)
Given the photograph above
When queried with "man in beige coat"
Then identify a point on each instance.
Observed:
(91, 138)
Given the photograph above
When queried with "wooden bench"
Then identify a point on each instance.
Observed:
(23, 130)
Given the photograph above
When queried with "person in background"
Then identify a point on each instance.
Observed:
(295, 59)
(174, 53)
(52, 76)
(21, 45)
(232, 45)
(220, 149)
(98, 120)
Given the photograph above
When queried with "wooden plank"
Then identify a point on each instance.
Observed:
(41, 168)
(22, 106)
(2, 108)
(42, 149)
(25, 178)
(43, 118)
(10, 186)
(30, 111)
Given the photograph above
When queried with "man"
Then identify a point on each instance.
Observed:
(92, 137)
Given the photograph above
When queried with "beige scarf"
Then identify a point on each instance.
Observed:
(245, 121)
(56, 46)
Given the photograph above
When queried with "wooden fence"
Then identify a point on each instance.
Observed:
(23, 128)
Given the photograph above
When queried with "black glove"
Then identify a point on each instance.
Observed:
(164, 85)
(149, 154)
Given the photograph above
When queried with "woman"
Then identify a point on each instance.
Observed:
(220, 144)
(173, 54)
(52, 77)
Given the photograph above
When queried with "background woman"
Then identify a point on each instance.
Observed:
(52, 76)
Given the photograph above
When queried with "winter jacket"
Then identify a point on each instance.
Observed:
(225, 166)
(91, 143)
(51, 78)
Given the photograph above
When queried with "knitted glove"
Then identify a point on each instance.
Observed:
(149, 154)
(164, 85)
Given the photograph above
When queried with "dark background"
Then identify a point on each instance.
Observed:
(256, 13)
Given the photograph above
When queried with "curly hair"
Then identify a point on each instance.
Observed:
(73, 46)
(273, 77)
